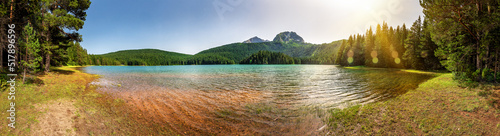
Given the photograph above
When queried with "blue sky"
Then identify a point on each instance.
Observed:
(190, 26)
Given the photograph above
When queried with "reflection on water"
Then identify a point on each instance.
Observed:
(249, 99)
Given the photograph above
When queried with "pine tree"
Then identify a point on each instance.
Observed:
(370, 55)
(348, 53)
(428, 47)
(398, 48)
(31, 57)
(57, 16)
(377, 49)
(340, 53)
(359, 53)
(412, 45)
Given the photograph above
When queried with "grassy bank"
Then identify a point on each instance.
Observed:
(437, 107)
(96, 113)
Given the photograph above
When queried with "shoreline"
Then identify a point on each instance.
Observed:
(64, 96)
(437, 107)
(431, 72)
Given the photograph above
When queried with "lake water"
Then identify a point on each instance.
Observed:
(249, 99)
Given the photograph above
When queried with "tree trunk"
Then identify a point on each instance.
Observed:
(11, 9)
(3, 39)
(47, 51)
(478, 62)
(25, 59)
(24, 74)
(496, 65)
(47, 62)
(1, 53)
(487, 62)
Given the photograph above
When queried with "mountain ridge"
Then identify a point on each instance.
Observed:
(289, 43)
(255, 39)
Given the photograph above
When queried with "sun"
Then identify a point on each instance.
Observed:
(365, 5)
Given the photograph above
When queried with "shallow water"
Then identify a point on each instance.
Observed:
(249, 99)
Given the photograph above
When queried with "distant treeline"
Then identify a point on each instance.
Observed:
(77, 56)
(267, 57)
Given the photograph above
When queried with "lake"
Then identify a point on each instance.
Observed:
(249, 99)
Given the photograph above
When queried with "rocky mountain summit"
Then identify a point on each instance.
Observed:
(255, 40)
(288, 37)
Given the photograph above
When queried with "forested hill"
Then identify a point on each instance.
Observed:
(310, 53)
(288, 43)
(148, 57)
(239, 51)
(226, 54)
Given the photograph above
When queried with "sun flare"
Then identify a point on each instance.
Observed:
(364, 5)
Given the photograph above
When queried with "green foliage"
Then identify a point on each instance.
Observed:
(323, 54)
(55, 23)
(351, 52)
(413, 44)
(77, 55)
(53, 17)
(267, 57)
(101, 60)
(208, 59)
(3, 9)
(368, 47)
(382, 46)
(340, 53)
(466, 35)
(420, 48)
(390, 48)
(146, 57)
(239, 51)
(31, 47)
(3, 82)
(226, 54)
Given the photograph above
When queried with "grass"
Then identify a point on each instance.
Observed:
(357, 67)
(417, 71)
(95, 110)
(437, 107)
(27, 95)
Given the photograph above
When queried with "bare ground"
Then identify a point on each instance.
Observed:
(56, 118)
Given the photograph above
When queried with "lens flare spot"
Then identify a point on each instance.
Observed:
(397, 60)
(350, 53)
(350, 60)
(395, 54)
(374, 54)
(375, 60)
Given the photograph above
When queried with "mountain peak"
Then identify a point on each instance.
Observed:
(255, 39)
(288, 36)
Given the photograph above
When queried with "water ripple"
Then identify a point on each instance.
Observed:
(249, 99)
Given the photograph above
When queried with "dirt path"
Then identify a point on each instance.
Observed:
(57, 118)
